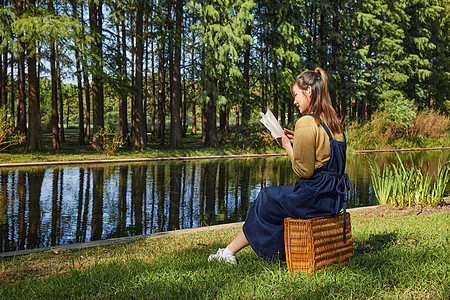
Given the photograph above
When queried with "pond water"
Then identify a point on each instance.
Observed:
(42, 207)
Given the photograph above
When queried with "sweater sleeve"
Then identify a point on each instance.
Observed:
(304, 147)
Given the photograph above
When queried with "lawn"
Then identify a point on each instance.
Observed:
(397, 255)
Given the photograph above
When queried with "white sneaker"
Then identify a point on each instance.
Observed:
(220, 256)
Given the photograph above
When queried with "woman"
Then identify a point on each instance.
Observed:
(317, 151)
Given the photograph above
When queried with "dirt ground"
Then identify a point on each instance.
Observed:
(414, 210)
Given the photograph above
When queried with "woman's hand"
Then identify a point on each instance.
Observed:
(285, 142)
(289, 134)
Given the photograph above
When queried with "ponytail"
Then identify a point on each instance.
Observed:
(320, 97)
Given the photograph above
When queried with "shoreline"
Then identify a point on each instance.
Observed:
(185, 158)
(120, 240)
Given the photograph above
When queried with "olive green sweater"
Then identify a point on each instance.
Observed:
(311, 146)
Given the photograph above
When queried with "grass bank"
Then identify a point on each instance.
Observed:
(255, 144)
(71, 151)
(396, 256)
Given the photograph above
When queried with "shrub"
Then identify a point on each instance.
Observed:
(394, 117)
(110, 140)
(429, 123)
(6, 137)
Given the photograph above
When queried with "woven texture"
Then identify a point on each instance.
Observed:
(314, 243)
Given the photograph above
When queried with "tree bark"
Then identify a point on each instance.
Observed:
(176, 134)
(140, 128)
(60, 96)
(4, 78)
(123, 115)
(79, 83)
(3, 100)
(211, 127)
(13, 97)
(55, 131)
(222, 125)
(245, 109)
(21, 99)
(97, 71)
(153, 128)
(21, 93)
(34, 133)
(87, 92)
(162, 87)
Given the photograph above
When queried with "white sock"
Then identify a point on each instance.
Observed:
(227, 252)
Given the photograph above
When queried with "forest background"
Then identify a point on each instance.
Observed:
(159, 70)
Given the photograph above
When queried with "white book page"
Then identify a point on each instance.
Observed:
(268, 119)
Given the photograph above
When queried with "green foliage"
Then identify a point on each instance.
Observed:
(399, 112)
(403, 186)
(374, 51)
(429, 129)
(6, 130)
(110, 140)
(222, 26)
(261, 141)
(382, 181)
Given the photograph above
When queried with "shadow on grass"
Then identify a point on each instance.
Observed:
(374, 243)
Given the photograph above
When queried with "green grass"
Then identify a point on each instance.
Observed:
(193, 146)
(396, 257)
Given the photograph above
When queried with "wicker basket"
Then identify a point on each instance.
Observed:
(314, 243)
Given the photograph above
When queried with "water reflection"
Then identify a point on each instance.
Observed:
(41, 207)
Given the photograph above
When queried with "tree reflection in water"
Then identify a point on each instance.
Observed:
(40, 207)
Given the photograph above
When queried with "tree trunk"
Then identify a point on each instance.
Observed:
(176, 134)
(140, 129)
(79, 83)
(13, 97)
(211, 127)
(34, 133)
(21, 101)
(123, 116)
(204, 124)
(194, 112)
(97, 71)
(60, 96)
(3, 58)
(275, 87)
(21, 94)
(222, 125)
(245, 109)
(5, 77)
(194, 120)
(162, 87)
(145, 100)
(87, 97)
(153, 128)
(87, 92)
(236, 127)
(55, 131)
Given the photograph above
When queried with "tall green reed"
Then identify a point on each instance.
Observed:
(400, 185)
(382, 181)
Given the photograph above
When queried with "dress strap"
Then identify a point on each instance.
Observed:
(342, 187)
(324, 126)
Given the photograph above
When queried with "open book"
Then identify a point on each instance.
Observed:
(268, 119)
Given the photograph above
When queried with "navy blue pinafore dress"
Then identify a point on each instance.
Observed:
(321, 195)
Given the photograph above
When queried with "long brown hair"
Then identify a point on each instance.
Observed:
(320, 97)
